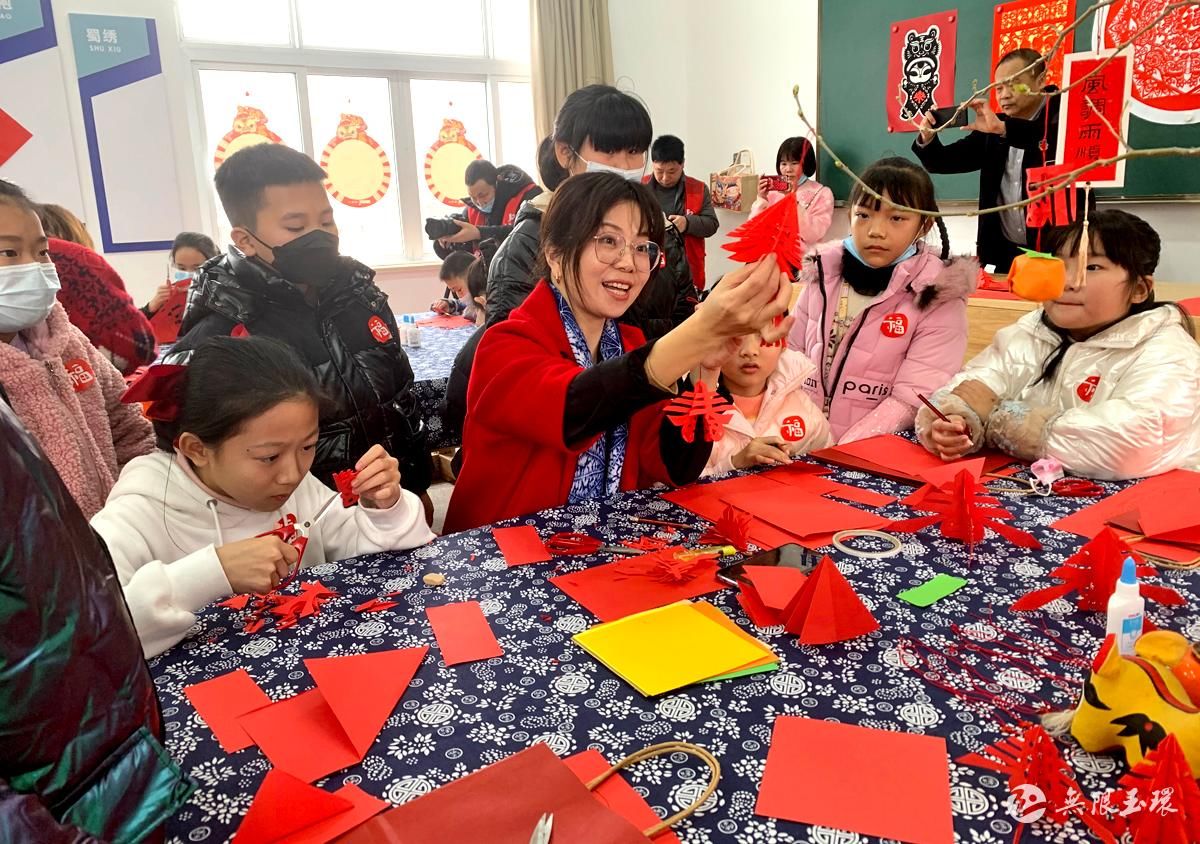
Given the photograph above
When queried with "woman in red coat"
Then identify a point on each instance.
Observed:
(565, 404)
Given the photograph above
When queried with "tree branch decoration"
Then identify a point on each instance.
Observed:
(1059, 182)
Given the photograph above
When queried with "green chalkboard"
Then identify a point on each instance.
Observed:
(854, 36)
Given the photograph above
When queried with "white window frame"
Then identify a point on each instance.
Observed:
(398, 68)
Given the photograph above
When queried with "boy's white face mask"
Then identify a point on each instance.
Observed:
(27, 294)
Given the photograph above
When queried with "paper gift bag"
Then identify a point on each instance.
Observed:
(497, 805)
(736, 187)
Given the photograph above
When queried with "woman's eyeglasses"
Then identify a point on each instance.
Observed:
(610, 247)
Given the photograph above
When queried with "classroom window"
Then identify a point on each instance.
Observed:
(352, 138)
(266, 22)
(425, 83)
(241, 108)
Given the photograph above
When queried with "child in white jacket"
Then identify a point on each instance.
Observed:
(1103, 378)
(237, 433)
(773, 420)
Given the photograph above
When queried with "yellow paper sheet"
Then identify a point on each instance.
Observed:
(667, 648)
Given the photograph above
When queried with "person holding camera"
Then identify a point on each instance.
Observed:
(796, 165)
(489, 209)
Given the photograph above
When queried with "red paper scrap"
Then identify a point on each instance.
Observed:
(222, 700)
(463, 633)
(285, 806)
(445, 321)
(237, 602)
(827, 609)
(776, 231)
(803, 514)
(616, 793)
(874, 782)
(344, 481)
(700, 406)
(609, 592)
(376, 605)
(520, 545)
(328, 728)
(363, 808)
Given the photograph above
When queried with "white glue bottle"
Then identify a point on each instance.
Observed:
(1126, 609)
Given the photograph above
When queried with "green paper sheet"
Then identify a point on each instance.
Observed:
(934, 590)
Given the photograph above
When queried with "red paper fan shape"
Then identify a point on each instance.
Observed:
(963, 514)
(776, 231)
(733, 528)
(700, 405)
(344, 482)
(827, 609)
(1092, 572)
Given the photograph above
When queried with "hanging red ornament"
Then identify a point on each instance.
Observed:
(776, 231)
(963, 514)
(700, 405)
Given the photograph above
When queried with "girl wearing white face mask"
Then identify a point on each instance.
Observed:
(189, 252)
(597, 129)
(66, 394)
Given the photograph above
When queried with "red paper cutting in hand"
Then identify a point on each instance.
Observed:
(776, 231)
(733, 528)
(1093, 571)
(344, 481)
(1164, 771)
(700, 404)
(1031, 758)
(963, 514)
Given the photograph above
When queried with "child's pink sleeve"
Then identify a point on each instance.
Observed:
(815, 221)
(132, 433)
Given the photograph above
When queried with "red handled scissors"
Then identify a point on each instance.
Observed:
(580, 543)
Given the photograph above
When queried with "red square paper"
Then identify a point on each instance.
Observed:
(873, 782)
(463, 633)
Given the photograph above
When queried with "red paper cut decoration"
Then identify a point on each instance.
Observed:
(670, 565)
(1054, 209)
(1034, 24)
(733, 528)
(1082, 136)
(963, 514)
(378, 604)
(287, 609)
(344, 481)
(646, 543)
(1163, 778)
(920, 68)
(1093, 571)
(700, 404)
(776, 231)
(1166, 82)
(1031, 758)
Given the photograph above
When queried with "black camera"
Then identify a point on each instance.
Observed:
(439, 227)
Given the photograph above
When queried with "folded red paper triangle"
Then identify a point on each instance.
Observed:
(333, 726)
(284, 806)
(827, 609)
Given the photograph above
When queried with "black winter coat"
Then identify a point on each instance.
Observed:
(349, 339)
(667, 300)
(80, 757)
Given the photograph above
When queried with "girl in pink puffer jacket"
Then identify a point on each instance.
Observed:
(881, 317)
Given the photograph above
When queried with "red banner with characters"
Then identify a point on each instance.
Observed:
(1034, 24)
(920, 68)
(1101, 96)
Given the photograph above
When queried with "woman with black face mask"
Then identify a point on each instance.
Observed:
(284, 278)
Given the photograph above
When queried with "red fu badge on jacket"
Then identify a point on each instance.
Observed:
(894, 325)
(1087, 388)
(793, 429)
(81, 374)
(379, 329)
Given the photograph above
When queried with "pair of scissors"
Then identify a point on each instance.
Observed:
(543, 830)
(580, 543)
(297, 536)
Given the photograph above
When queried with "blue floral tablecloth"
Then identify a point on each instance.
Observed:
(431, 363)
(452, 721)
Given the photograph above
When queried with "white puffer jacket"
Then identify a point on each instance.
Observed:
(787, 412)
(1124, 403)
